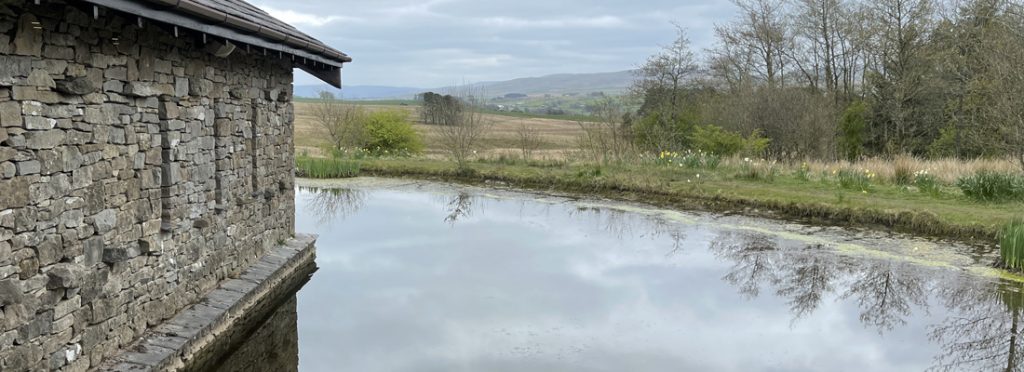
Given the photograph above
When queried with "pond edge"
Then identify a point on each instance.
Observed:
(198, 336)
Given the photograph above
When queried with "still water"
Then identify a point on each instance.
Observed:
(429, 277)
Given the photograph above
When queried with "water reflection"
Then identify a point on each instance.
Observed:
(459, 206)
(983, 331)
(273, 347)
(328, 204)
(623, 225)
(567, 286)
(885, 291)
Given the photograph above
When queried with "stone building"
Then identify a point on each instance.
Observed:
(146, 156)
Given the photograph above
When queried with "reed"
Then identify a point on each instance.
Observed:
(325, 168)
(1011, 245)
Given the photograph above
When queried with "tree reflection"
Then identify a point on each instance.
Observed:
(754, 258)
(459, 206)
(327, 204)
(983, 331)
(884, 291)
(624, 225)
(805, 279)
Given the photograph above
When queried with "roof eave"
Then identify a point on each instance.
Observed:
(317, 59)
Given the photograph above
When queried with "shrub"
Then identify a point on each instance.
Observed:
(715, 140)
(1011, 245)
(391, 132)
(852, 127)
(325, 168)
(989, 186)
(851, 179)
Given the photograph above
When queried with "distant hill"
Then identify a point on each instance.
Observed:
(608, 82)
(356, 92)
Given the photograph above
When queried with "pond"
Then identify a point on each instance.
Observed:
(420, 276)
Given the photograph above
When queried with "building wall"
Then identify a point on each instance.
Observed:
(137, 170)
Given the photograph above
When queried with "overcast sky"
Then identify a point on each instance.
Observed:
(430, 43)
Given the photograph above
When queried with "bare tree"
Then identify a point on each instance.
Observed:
(529, 140)
(666, 84)
(1006, 99)
(344, 123)
(463, 125)
(761, 36)
(607, 140)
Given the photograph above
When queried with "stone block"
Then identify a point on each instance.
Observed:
(27, 268)
(38, 140)
(77, 86)
(65, 275)
(10, 113)
(10, 292)
(12, 68)
(168, 110)
(28, 167)
(25, 93)
(105, 220)
(40, 78)
(181, 87)
(49, 250)
(94, 251)
(40, 325)
(147, 89)
(112, 255)
(58, 52)
(39, 123)
(113, 86)
(14, 193)
(8, 169)
(28, 39)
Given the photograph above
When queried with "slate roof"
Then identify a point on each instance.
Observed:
(234, 20)
(249, 12)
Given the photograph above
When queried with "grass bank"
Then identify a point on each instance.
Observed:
(786, 196)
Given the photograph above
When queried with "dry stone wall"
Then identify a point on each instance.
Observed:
(137, 170)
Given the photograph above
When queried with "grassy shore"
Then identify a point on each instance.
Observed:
(902, 194)
(728, 189)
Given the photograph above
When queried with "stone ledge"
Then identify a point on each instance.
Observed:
(175, 344)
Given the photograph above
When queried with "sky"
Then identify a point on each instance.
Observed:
(432, 43)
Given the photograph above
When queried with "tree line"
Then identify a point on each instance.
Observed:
(846, 79)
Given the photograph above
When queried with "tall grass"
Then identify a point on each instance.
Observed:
(946, 171)
(1011, 245)
(759, 170)
(851, 179)
(325, 168)
(989, 186)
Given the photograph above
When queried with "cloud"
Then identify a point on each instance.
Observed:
(304, 19)
(569, 22)
(431, 43)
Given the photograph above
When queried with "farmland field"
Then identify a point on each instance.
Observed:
(557, 136)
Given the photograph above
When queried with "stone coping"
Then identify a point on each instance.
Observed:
(171, 345)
